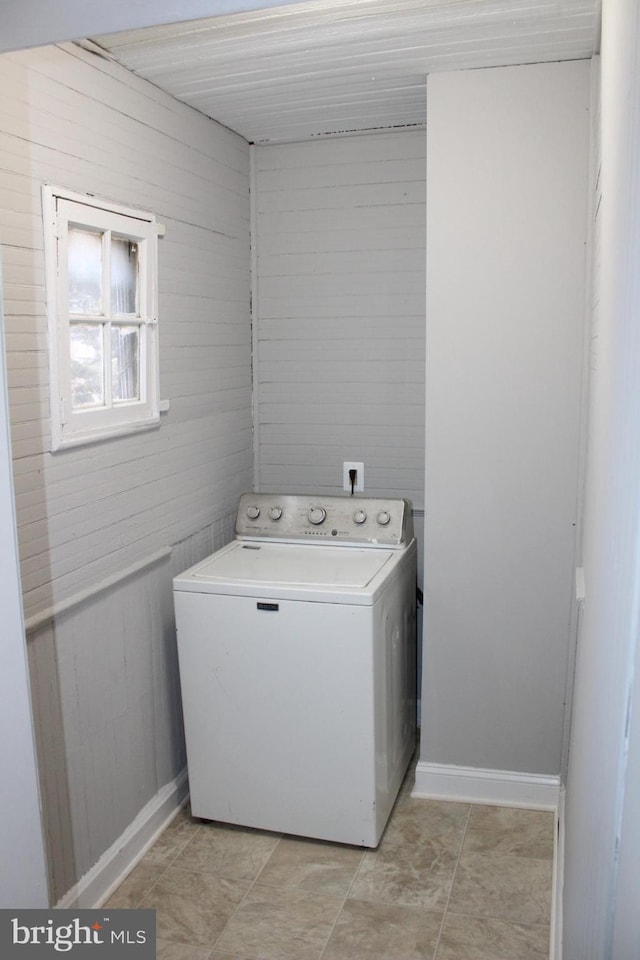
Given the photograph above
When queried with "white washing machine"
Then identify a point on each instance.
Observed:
(296, 645)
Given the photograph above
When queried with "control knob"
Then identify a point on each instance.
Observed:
(275, 512)
(359, 516)
(383, 518)
(317, 515)
(253, 512)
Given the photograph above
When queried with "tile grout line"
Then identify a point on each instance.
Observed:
(365, 850)
(246, 894)
(509, 922)
(182, 848)
(344, 901)
(356, 874)
(168, 865)
(355, 877)
(453, 880)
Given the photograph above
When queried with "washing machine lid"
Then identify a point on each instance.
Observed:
(292, 571)
(288, 564)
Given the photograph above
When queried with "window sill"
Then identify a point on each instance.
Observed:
(112, 433)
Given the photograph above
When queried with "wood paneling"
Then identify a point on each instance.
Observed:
(107, 708)
(337, 66)
(104, 671)
(340, 253)
(77, 120)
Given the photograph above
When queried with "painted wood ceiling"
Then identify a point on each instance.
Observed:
(324, 67)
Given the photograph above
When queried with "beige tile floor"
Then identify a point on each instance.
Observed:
(449, 881)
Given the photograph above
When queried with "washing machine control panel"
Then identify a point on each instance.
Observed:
(376, 521)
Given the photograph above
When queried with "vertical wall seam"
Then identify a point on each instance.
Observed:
(254, 313)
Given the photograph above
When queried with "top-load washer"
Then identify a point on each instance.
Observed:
(296, 645)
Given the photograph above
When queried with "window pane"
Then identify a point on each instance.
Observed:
(125, 363)
(85, 271)
(87, 367)
(124, 276)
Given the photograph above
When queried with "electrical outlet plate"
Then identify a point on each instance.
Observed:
(346, 481)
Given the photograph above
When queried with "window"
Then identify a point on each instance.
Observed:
(102, 303)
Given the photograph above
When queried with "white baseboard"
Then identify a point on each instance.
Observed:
(115, 864)
(555, 952)
(500, 787)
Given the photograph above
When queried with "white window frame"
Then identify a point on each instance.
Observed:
(73, 427)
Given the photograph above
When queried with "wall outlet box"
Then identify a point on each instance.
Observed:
(346, 479)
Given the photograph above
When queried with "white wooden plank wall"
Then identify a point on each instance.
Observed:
(104, 673)
(108, 721)
(74, 119)
(340, 313)
(107, 708)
